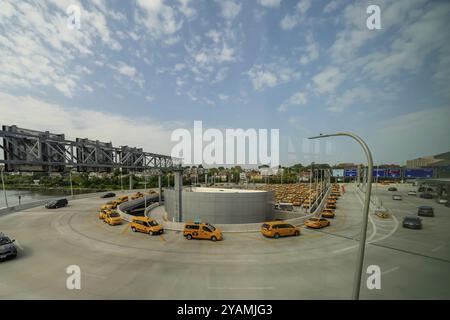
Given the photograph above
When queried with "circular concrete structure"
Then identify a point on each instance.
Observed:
(215, 205)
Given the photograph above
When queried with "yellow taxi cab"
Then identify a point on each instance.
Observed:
(199, 230)
(137, 195)
(317, 223)
(331, 200)
(146, 225)
(113, 218)
(328, 213)
(103, 213)
(330, 205)
(276, 229)
(109, 205)
(122, 199)
(336, 193)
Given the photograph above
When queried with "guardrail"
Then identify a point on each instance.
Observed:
(38, 203)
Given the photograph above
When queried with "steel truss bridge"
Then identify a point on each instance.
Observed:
(30, 150)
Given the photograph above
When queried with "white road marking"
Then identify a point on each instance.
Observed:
(438, 248)
(345, 249)
(390, 270)
(93, 275)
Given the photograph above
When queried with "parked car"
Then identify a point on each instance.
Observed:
(137, 195)
(425, 211)
(442, 201)
(121, 199)
(317, 223)
(146, 225)
(426, 195)
(198, 230)
(328, 213)
(113, 218)
(392, 189)
(7, 247)
(108, 195)
(412, 222)
(276, 229)
(397, 197)
(109, 205)
(383, 214)
(54, 204)
(412, 193)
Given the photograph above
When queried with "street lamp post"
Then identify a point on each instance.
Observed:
(3, 185)
(362, 240)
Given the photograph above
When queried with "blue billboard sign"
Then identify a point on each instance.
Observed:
(380, 173)
(353, 172)
(394, 173)
(419, 173)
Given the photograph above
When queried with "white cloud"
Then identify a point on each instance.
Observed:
(328, 80)
(230, 9)
(303, 6)
(125, 69)
(290, 21)
(31, 113)
(184, 7)
(270, 3)
(311, 50)
(331, 6)
(158, 17)
(271, 75)
(223, 97)
(297, 99)
(38, 49)
(358, 94)
(149, 98)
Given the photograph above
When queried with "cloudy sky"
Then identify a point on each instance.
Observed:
(136, 70)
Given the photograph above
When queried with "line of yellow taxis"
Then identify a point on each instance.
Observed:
(321, 220)
(204, 230)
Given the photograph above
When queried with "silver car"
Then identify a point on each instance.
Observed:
(7, 247)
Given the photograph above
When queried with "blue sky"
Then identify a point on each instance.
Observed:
(136, 70)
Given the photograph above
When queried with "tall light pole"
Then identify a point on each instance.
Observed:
(70, 178)
(3, 184)
(362, 240)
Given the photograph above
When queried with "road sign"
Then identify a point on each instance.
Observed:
(351, 172)
(419, 173)
(338, 172)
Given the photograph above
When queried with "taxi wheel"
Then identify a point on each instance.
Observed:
(213, 238)
(189, 237)
(276, 236)
(133, 229)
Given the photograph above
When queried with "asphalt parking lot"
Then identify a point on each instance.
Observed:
(119, 264)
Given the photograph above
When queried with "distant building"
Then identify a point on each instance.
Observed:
(429, 161)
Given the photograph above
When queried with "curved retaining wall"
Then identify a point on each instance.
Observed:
(225, 207)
